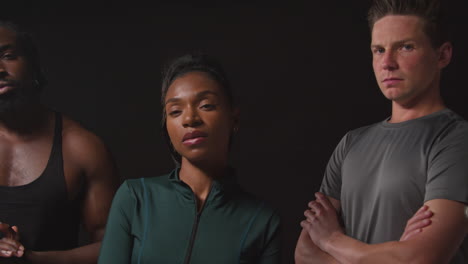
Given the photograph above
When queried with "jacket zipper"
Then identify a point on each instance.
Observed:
(195, 227)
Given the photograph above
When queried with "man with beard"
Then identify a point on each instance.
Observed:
(53, 172)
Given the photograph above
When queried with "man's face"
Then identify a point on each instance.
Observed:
(16, 78)
(406, 66)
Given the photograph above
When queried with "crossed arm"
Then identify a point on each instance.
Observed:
(436, 244)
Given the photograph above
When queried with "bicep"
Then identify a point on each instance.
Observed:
(101, 183)
(332, 179)
(444, 236)
(438, 242)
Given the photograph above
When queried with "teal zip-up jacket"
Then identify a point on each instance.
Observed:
(155, 220)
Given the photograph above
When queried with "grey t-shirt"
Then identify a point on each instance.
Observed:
(383, 173)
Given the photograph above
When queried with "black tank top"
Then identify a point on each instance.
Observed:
(45, 216)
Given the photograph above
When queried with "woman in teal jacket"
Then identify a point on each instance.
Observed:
(197, 213)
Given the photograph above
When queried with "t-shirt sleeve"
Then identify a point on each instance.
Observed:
(331, 183)
(447, 176)
(117, 244)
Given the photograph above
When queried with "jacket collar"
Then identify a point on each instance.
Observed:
(221, 188)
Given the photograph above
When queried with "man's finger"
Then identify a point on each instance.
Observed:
(6, 253)
(324, 201)
(423, 208)
(305, 225)
(418, 225)
(411, 234)
(7, 247)
(15, 228)
(310, 216)
(8, 243)
(420, 215)
(316, 207)
(19, 253)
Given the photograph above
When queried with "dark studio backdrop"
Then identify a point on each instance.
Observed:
(301, 73)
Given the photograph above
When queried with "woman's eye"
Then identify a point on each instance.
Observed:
(174, 113)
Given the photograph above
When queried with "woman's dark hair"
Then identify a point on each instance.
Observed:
(26, 45)
(430, 11)
(194, 62)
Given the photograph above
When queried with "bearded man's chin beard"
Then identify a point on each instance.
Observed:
(18, 100)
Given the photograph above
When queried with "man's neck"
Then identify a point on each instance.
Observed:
(26, 121)
(419, 107)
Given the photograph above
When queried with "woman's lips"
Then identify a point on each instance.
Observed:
(194, 138)
(194, 141)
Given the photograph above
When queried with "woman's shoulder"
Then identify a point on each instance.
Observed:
(253, 204)
(261, 217)
(138, 186)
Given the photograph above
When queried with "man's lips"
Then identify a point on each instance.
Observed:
(392, 80)
(5, 87)
(5, 84)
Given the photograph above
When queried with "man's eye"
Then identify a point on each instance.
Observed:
(208, 106)
(407, 47)
(8, 56)
(378, 50)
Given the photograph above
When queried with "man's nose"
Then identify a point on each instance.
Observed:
(389, 61)
(3, 71)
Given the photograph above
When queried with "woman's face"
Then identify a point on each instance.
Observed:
(199, 118)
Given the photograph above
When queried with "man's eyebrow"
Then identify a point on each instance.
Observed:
(5, 47)
(404, 40)
(394, 43)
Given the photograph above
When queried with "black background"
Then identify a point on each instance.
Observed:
(301, 73)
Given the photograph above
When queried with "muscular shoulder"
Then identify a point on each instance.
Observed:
(82, 149)
(353, 136)
(360, 132)
(452, 126)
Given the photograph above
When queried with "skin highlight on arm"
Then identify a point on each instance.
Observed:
(437, 243)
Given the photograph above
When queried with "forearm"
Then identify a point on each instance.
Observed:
(348, 250)
(81, 255)
(437, 244)
(318, 257)
(308, 253)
